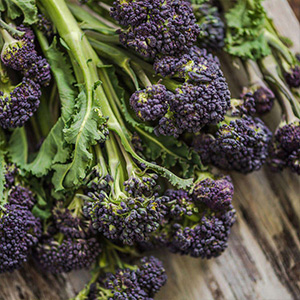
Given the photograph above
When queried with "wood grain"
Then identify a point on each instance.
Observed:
(263, 257)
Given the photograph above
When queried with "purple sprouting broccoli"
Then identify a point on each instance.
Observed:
(197, 65)
(18, 103)
(195, 106)
(20, 54)
(244, 105)
(71, 244)
(160, 27)
(239, 144)
(20, 230)
(70, 254)
(151, 103)
(212, 28)
(131, 209)
(207, 238)
(292, 77)
(198, 222)
(140, 281)
(44, 25)
(167, 126)
(214, 192)
(285, 149)
(17, 53)
(202, 99)
(262, 94)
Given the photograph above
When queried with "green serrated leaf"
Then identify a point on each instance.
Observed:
(245, 30)
(18, 147)
(52, 151)
(62, 70)
(18, 8)
(83, 132)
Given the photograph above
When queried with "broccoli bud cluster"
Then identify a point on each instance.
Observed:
(160, 27)
(241, 145)
(136, 282)
(20, 230)
(285, 149)
(132, 216)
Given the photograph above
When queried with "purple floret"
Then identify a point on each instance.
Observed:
(38, 70)
(10, 174)
(18, 54)
(151, 103)
(285, 150)
(130, 221)
(244, 105)
(293, 77)
(180, 203)
(151, 275)
(206, 239)
(19, 233)
(212, 28)
(20, 104)
(197, 65)
(167, 126)
(137, 283)
(164, 27)
(216, 194)
(195, 106)
(68, 255)
(44, 25)
(20, 195)
(242, 145)
(264, 100)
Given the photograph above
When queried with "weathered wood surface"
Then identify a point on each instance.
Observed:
(263, 258)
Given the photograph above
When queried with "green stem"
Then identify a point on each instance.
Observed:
(6, 28)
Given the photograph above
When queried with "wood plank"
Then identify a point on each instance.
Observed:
(263, 258)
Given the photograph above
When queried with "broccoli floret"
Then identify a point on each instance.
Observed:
(244, 105)
(216, 193)
(20, 55)
(285, 151)
(17, 53)
(140, 281)
(70, 254)
(19, 228)
(156, 27)
(71, 243)
(239, 144)
(131, 209)
(195, 106)
(151, 103)
(44, 25)
(292, 77)
(212, 28)
(18, 103)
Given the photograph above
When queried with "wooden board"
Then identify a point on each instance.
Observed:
(263, 258)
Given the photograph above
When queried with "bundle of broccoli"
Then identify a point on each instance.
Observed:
(112, 115)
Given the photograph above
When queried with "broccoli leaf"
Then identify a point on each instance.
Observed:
(63, 73)
(52, 151)
(18, 8)
(245, 30)
(18, 147)
(83, 132)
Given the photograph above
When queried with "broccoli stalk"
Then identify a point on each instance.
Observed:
(88, 70)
